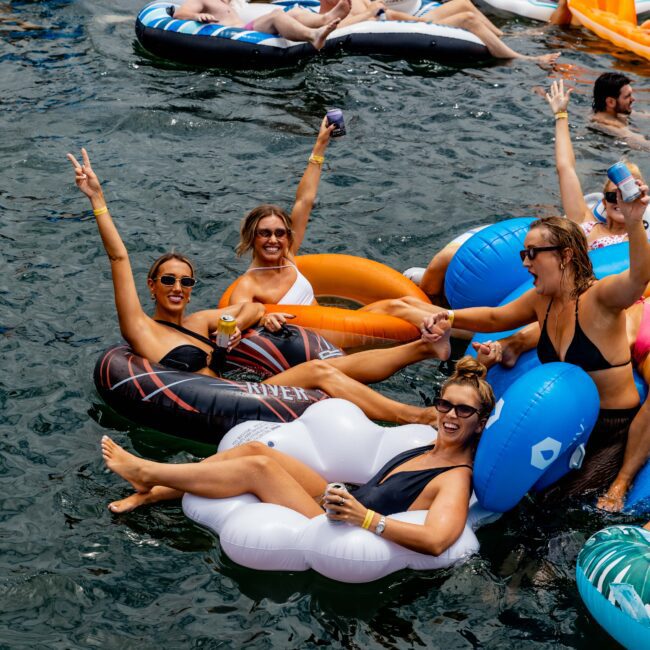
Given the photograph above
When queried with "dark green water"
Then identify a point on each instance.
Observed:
(183, 155)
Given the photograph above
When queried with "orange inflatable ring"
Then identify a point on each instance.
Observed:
(357, 279)
(614, 21)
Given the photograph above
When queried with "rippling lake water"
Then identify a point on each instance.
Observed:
(183, 154)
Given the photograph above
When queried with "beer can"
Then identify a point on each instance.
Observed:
(336, 486)
(225, 329)
(620, 175)
(335, 116)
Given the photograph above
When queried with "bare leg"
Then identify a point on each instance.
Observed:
(310, 19)
(495, 46)
(518, 343)
(433, 280)
(371, 366)
(454, 7)
(637, 452)
(410, 309)
(562, 15)
(265, 475)
(278, 22)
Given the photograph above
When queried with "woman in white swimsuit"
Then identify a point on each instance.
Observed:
(274, 238)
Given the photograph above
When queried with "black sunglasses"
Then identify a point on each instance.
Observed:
(531, 253)
(170, 280)
(610, 197)
(266, 233)
(462, 410)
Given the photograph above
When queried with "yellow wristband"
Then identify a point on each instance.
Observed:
(562, 115)
(315, 158)
(451, 316)
(102, 210)
(368, 520)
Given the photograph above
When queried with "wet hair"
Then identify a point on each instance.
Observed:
(470, 372)
(634, 170)
(609, 84)
(567, 234)
(250, 221)
(165, 258)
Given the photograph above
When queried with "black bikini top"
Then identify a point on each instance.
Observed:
(400, 490)
(192, 358)
(582, 352)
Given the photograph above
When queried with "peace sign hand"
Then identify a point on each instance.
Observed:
(85, 177)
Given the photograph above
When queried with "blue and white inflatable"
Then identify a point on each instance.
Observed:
(195, 43)
(613, 576)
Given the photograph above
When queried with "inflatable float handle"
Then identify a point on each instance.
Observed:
(629, 601)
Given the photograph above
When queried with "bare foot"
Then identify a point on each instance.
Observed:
(614, 499)
(546, 61)
(340, 11)
(509, 354)
(318, 40)
(124, 464)
(130, 503)
(441, 347)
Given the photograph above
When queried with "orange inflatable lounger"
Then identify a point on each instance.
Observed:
(614, 21)
(357, 279)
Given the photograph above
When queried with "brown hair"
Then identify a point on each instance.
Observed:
(165, 258)
(250, 221)
(565, 233)
(470, 372)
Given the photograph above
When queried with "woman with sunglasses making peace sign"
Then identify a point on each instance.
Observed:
(599, 234)
(582, 321)
(171, 337)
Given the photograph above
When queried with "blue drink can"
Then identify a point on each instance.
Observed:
(620, 175)
(335, 116)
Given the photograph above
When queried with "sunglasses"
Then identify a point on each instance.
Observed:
(610, 197)
(462, 410)
(531, 253)
(267, 233)
(170, 280)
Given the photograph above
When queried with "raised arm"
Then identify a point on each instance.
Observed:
(443, 525)
(620, 291)
(308, 186)
(573, 202)
(132, 317)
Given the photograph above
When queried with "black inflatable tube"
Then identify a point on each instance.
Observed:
(203, 408)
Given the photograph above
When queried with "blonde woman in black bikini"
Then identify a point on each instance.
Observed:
(582, 322)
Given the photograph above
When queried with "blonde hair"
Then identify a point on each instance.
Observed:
(251, 220)
(165, 258)
(470, 372)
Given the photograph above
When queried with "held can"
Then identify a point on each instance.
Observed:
(225, 330)
(335, 116)
(336, 486)
(620, 175)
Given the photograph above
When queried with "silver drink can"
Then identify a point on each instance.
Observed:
(336, 486)
(225, 329)
(621, 176)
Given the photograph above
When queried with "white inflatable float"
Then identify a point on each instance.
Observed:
(533, 433)
(542, 9)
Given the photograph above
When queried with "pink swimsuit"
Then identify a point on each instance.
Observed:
(605, 240)
(641, 346)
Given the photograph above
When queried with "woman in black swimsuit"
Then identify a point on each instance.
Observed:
(181, 341)
(582, 322)
(437, 478)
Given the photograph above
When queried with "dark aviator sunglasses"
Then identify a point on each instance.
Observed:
(462, 410)
(170, 280)
(531, 253)
(610, 197)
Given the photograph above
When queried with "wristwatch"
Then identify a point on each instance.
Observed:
(379, 528)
